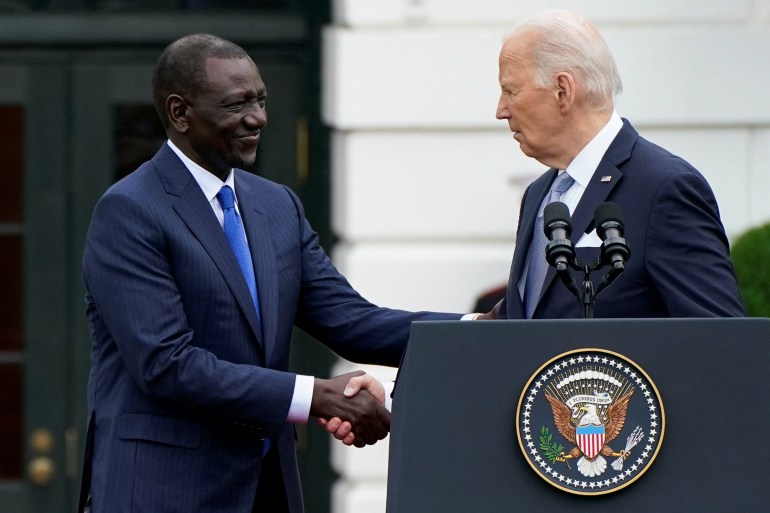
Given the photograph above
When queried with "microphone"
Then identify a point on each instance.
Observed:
(557, 227)
(609, 227)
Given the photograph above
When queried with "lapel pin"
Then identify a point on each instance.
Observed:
(606, 178)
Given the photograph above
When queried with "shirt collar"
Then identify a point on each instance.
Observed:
(585, 163)
(209, 184)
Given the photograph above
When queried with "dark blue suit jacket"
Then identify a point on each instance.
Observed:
(185, 379)
(679, 265)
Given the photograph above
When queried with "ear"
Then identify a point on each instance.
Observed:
(176, 112)
(566, 91)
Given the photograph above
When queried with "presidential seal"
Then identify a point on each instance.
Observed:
(590, 422)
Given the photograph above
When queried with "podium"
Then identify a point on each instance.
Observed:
(454, 445)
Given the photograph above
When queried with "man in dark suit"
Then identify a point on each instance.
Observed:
(558, 80)
(196, 273)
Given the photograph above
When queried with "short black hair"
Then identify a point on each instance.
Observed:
(180, 67)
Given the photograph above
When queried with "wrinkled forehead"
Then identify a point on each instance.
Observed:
(226, 73)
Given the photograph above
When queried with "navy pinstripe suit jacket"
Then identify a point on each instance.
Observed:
(185, 379)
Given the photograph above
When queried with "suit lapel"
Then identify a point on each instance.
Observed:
(604, 180)
(194, 209)
(263, 257)
(532, 201)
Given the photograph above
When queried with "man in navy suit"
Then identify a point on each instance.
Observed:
(190, 399)
(558, 81)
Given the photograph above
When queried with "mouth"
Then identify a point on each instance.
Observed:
(250, 137)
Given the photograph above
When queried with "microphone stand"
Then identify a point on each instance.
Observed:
(587, 294)
(561, 255)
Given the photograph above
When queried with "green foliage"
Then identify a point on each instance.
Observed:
(751, 259)
(551, 450)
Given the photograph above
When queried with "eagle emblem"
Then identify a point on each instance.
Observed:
(577, 411)
(592, 433)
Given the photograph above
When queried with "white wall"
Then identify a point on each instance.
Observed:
(427, 183)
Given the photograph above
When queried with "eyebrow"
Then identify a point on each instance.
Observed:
(240, 94)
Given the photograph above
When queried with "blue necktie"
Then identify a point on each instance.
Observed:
(537, 264)
(237, 238)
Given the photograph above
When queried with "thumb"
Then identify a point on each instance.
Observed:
(353, 387)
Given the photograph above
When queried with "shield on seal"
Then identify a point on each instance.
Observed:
(590, 439)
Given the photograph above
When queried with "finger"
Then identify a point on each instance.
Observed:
(343, 431)
(353, 386)
(381, 427)
(373, 421)
(369, 430)
(349, 439)
(321, 421)
(366, 382)
(333, 425)
(384, 415)
(380, 430)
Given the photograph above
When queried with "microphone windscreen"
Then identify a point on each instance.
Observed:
(606, 212)
(556, 211)
(609, 211)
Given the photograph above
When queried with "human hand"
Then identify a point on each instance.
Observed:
(366, 382)
(490, 315)
(360, 419)
(342, 430)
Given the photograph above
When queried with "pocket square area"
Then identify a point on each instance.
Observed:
(589, 240)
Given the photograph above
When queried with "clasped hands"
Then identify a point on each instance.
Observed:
(351, 407)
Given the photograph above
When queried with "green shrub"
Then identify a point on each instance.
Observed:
(751, 259)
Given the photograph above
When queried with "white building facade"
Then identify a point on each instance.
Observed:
(427, 183)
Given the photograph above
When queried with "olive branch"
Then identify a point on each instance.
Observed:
(551, 449)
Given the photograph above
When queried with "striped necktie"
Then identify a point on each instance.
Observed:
(537, 264)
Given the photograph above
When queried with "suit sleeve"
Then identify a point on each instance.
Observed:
(513, 281)
(688, 255)
(136, 305)
(333, 312)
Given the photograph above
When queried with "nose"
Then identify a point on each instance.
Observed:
(256, 115)
(502, 110)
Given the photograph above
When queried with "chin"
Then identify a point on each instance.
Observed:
(528, 153)
(243, 161)
(528, 150)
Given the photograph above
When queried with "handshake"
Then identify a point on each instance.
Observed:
(352, 408)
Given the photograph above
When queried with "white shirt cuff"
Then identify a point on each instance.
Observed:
(389, 386)
(299, 411)
(469, 317)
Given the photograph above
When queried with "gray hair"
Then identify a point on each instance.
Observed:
(567, 41)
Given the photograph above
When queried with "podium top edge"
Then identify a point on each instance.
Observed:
(615, 320)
